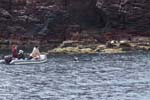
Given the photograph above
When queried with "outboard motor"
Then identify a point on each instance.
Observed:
(8, 59)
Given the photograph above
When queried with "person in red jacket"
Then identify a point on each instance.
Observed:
(14, 51)
(8, 59)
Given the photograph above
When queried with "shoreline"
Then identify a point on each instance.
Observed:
(80, 44)
(64, 52)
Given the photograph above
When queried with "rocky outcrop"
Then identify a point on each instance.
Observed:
(48, 16)
(71, 50)
(88, 22)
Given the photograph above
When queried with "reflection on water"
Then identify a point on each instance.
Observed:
(84, 77)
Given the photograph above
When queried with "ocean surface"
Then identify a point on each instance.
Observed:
(79, 77)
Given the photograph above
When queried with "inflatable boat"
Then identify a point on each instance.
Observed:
(43, 59)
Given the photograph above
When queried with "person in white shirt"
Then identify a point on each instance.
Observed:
(35, 53)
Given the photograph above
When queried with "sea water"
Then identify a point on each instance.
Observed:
(79, 77)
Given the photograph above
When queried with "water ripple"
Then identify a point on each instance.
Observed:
(79, 77)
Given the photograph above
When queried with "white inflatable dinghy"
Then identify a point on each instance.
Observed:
(42, 59)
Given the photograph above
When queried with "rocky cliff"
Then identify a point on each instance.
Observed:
(60, 18)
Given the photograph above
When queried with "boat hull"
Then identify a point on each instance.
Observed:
(43, 59)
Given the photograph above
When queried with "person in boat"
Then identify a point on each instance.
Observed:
(14, 51)
(14, 55)
(35, 53)
(21, 54)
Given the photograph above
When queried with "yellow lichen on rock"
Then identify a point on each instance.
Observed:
(114, 50)
(72, 50)
(87, 50)
(99, 48)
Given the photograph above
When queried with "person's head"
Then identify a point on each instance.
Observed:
(21, 51)
(36, 46)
